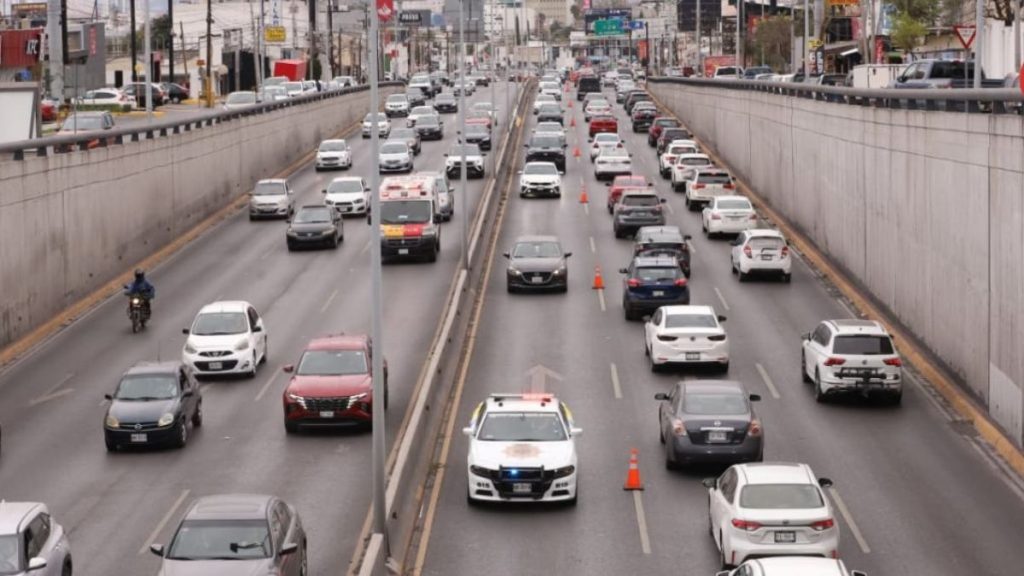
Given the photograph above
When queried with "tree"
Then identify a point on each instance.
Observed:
(160, 32)
(774, 38)
(1001, 10)
(907, 31)
(577, 14)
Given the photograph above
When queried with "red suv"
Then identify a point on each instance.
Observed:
(659, 124)
(600, 124)
(622, 183)
(331, 385)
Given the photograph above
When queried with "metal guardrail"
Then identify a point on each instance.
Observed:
(51, 145)
(985, 100)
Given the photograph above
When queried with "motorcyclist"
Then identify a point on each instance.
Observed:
(142, 288)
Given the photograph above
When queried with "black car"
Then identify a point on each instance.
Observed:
(416, 97)
(176, 93)
(586, 85)
(709, 421)
(315, 225)
(537, 263)
(478, 134)
(643, 118)
(138, 91)
(550, 113)
(670, 134)
(632, 100)
(154, 404)
(409, 136)
(636, 209)
(446, 102)
(651, 282)
(546, 148)
(663, 241)
(430, 128)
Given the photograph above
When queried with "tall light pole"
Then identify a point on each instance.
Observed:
(807, 37)
(148, 51)
(462, 128)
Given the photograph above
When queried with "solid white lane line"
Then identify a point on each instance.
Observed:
(593, 245)
(767, 380)
(266, 386)
(586, 208)
(849, 521)
(907, 375)
(329, 300)
(721, 299)
(846, 307)
(163, 521)
(50, 396)
(615, 382)
(641, 521)
(600, 298)
(998, 467)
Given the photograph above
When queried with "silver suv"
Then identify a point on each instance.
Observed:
(271, 198)
(31, 541)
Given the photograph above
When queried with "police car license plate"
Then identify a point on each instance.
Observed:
(327, 413)
(140, 437)
(785, 537)
(521, 488)
(403, 251)
(216, 366)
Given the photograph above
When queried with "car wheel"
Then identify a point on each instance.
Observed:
(721, 553)
(742, 276)
(67, 569)
(732, 266)
(291, 247)
(724, 368)
(896, 399)
(182, 438)
(803, 368)
(655, 368)
(111, 447)
(787, 278)
(469, 499)
(819, 394)
(197, 418)
(304, 568)
(669, 463)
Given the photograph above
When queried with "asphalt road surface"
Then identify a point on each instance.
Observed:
(916, 496)
(114, 505)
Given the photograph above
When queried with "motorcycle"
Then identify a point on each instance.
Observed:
(138, 312)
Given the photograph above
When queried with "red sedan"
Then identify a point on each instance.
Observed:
(622, 183)
(600, 124)
(332, 384)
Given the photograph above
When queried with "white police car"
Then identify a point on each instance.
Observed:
(522, 448)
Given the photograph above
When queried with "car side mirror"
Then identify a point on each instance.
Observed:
(506, 255)
(687, 237)
(708, 482)
(437, 219)
(468, 431)
(257, 328)
(825, 482)
(561, 172)
(188, 394)
(722, 318)
(662, 200)
(723, 573)
(324, 191)
(108, 396)
(567, 254)
(36, 563)
(288, 368)
(623, 271)
(576, 431)
(661, 396)
(858, 573)
(157, 549)
(647, 318)
(288, 548)
(185, 331)
(806, 335)
(608, 184)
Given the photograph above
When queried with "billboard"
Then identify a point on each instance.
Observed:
(590, 17)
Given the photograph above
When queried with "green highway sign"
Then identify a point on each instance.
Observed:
(608, 27)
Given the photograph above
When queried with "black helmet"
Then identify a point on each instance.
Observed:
(140, 273)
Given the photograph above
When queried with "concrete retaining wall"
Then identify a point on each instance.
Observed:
(71, 222)
(925, 209)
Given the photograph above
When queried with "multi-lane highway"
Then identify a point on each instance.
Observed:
(115, 505)
(915, 495)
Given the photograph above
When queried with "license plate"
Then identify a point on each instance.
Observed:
(327, 413)
(766, 256)
(403, 251)
(785, 537)
(693, 356)
(216, 365)
(659, 292)
(717, 437)
(140, 438)
(537, 280)
(521, 488)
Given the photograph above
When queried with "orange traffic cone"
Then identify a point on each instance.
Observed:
(570, 103)
(576, 152)
(583, 197)
(572, 122)
(598, 280)
(633, 476)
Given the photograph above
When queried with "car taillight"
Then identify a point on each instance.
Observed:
(729, 186)
(633, 283)
(755, 428)
(823, 524)
(717, 338)
(680, 282)
(656, 209)
(893, 361)
(667, 338)
(678, 428)
(747, 525)
(785, 251)
(699, 186)
(716, 216)
(835, 361)
(748, 252)
(753, 217)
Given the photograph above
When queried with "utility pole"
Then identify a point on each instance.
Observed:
(170, 41)
(700, 66)
(979, 41)
(148, 51)
(312, 38)
(184, 53)
(131, 39)
(462, 128)
(209, 53)
(807, 36)
(56, 49)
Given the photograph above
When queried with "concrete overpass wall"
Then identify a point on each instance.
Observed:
(924, 209)
(71, 222)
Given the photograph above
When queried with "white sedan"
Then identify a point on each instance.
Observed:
(604, 141)
(226, 338)
(761, 251)
(683, 164)
(419, 112)
(541, 100)
(689, 335)
(728, 215)
(792, 566)
(596, 108)
(107, 96)
(771, 509)
(611, 163)
(674, 149)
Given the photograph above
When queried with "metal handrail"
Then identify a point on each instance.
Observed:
(51, 145)
(985, 100)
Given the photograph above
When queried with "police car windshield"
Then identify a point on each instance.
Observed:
(406, 212)
(522, 427)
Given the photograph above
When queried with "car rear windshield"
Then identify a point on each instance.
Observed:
(332, 363)
(723, 404)
(148, 387)
(734, 205)
(522, 427)
(765, 243)
(657, 273)
(694, 162)
(545, 142)
(863, 345)
(705, 178)
(690, 321)
(220, 324)
(780, 496)
(537, 250)
(221, 539)
(640, 200)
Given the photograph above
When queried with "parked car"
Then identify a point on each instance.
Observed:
(91, 124)
(176, 93)
(240, 100)
(933, 73)
(106, 97)
(138, 91)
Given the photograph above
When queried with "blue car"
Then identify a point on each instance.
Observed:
(651, 282)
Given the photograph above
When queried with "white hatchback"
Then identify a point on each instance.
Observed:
(762, 251)
(771, 509)
(686, 335)
(683, 164)
(348, 195)
(333, 154)
(604, 141)
(271, 198)
(728, 215)
(226, 338)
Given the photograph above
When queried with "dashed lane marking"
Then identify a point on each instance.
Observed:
(616, 388)
(51, 396)
(849, 521)
(767, 381)
(163, 521)
(593, 245)
(641, 522)
(725, 305)
(329, 300)
(600, 299)
(266, 386)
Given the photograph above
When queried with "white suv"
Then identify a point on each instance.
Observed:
(852, 356)
(700, 185)
(683, 164)
(226, 338)
(771, 509)
(31, 541)
(522, 448)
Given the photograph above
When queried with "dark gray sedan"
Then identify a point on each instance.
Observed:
(709, 421)
(236, 535)
(315, 226)
(537, 263)
(154, 404)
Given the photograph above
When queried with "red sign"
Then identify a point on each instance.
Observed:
(385, 9)
(1020, 80)
(20, 48)
(879, 50)
(965, 33)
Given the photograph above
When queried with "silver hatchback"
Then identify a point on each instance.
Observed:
(31, 541)
(272, 198)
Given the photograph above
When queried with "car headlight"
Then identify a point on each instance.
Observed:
(481, 471)
(564, 471)
(190, 348)
(329, 231)
(243, 344)
(165, 420)
(112, 421)
(514, 271)
(356, 397)
(560, 271)
(297, 398)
